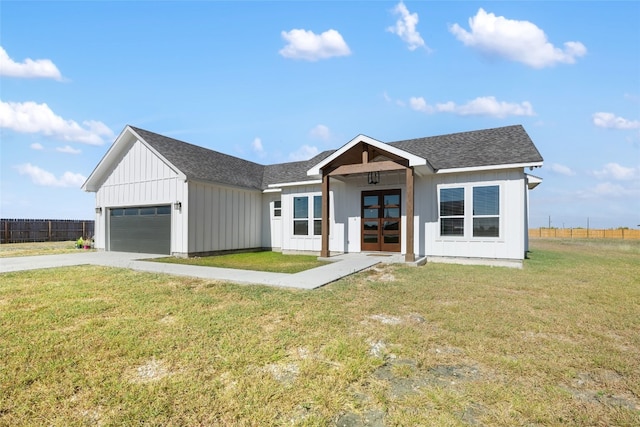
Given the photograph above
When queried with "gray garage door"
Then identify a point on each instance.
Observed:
(143, 229)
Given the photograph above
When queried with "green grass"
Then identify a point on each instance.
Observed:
(556, 343)
(275, 262)
(37, 248)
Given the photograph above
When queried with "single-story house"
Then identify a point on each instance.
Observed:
(461, 197)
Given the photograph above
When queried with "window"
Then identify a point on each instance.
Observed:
(317, 215)
(486, 211)
(303, 223)
(484, 215)
(452, 211)
(277, 208)
(301, 216)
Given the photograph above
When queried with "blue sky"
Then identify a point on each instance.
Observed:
(280, 81)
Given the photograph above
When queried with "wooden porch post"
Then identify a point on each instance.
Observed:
(409, 256)
(324, 252)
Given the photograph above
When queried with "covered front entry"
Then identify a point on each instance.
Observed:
(381, 220)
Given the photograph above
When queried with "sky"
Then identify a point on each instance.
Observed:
(273, 82)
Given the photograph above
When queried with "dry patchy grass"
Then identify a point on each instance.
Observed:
(36, 248)
(556, 343)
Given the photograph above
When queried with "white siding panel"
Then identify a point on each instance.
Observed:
(221, 218)
(510, 244)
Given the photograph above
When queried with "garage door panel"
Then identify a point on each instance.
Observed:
(143, 233)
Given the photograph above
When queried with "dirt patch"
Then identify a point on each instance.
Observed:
(387, 319)
(152, 370)
(595, 389)
(285, 373)
(381, 273)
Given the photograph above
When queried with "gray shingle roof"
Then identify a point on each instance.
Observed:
(497, 146)
(201, 164)
(292, 172)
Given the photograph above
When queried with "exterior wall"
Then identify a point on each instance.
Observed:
(291, 242)
(141, 179)
(271, 224)
(511, 242)
(223, 218)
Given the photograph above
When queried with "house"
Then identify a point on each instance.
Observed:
(460, 197)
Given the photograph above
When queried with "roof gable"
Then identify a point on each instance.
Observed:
(346, 150)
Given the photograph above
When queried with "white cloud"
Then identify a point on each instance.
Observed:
(37, 146)
(520, 41)
(610, 121)
(481, 106)
(257, 146)
(617, 172)
(320, 132)
(614, 190)
(68, 149)
(405, 27)
(312, 47)
(303, 153)
(30, 117)
(40, 68)
(562, 169)
(419, 104)
(42, 177)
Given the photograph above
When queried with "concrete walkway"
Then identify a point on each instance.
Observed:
(340, 266)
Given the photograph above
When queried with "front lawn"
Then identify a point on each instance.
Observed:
(555, 343)
(275, 262)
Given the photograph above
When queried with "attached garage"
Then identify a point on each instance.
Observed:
(145, 229)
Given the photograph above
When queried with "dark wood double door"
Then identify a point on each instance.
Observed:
(381, 220)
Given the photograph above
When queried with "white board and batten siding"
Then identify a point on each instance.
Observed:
(223, 218)
(141, 179)
(510, 244)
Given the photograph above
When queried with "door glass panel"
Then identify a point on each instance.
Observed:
(371, 225)
(370, 201)
(391, 225)
(370, 238)
(391, 238)
(392, 212)
(371, 213)
(392, 199)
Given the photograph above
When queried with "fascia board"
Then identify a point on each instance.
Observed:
(413, 159)
(490, 167)
(533, 181)
(293, 184)
(96, 177)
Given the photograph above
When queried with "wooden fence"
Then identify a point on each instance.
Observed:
(585, 233)
(44, 230)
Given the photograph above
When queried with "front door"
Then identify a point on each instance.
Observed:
(381, 220)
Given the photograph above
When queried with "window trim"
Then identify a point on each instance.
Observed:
(314, 215)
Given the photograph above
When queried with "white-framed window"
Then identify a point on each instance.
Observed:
(474, 207)
(452, 211)
(277, 208)
(303, 223)
(301, 216)
(486, 211)
(317, 215)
